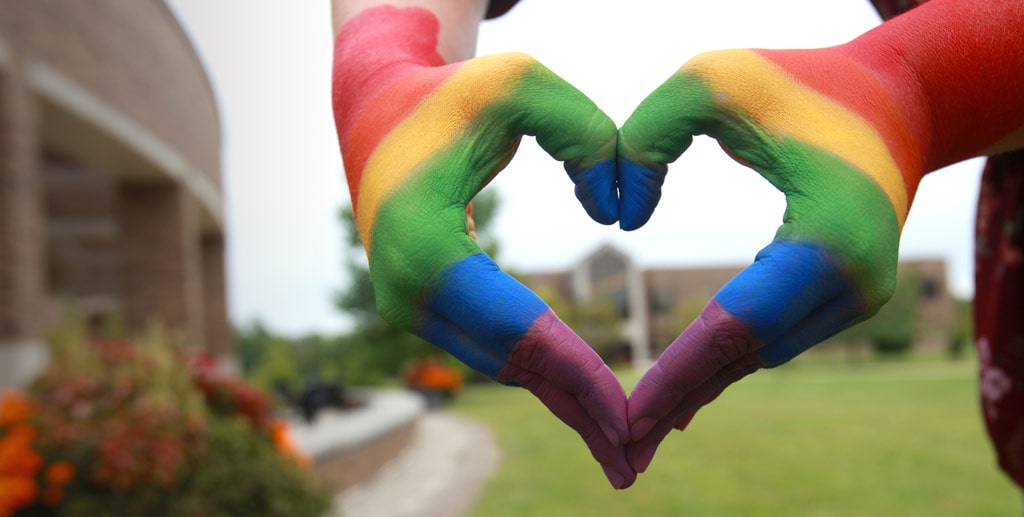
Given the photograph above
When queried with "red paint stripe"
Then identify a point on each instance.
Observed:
(967, 57)
(859, 90)
(372, 52)
(382, 114)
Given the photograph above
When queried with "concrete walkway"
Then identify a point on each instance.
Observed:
(439, 474)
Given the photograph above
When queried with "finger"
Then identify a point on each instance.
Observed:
(562, 404)
(572, 129)
(641, 452)
(490, 321)
(786, 284)
(659, 130)
(827, 320)
(478, 313)
(493, 312)
(569, 410)
(714, 340)
(639, 193)
(820, 324)
(553, 352)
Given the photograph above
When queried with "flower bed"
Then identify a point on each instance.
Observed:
(139, 429)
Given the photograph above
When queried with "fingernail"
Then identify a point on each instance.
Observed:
(641, 427)
(614, 478)
(610, 433)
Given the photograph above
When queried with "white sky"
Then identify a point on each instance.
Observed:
(270, 61)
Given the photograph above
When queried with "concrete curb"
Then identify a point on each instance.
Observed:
(441, 473)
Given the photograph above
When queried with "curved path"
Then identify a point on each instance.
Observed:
(439, 474)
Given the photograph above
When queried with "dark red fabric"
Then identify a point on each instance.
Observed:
(998, 302)
(496, 8)
(998, 294)
(889, 8)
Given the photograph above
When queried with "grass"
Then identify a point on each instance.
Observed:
(817, 438)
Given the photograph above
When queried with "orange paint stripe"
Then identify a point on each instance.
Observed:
(810, 117)
(828, 73)
(435, 124)
(382, 114)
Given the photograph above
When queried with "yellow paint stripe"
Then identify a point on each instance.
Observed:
(428, 129)
(808, 116)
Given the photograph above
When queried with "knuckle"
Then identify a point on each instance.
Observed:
(506, 66)
(730, 342)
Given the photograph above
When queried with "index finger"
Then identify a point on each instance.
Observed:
(792, 297)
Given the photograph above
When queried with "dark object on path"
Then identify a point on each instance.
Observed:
(318, 395)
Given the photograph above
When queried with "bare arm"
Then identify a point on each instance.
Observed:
(459, 20)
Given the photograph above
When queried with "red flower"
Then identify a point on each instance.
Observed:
(60, 473)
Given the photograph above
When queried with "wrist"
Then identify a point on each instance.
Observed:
(955, 64)
(373, 50)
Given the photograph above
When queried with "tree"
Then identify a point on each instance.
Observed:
(893, 330)
(277, 370)
(253, 342)
(375, 350)
(961, 331)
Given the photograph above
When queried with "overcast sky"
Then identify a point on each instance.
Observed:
(269, 62)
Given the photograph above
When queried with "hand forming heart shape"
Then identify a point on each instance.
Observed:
(421, 138)
(419, 142)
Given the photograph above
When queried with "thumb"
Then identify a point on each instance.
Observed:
(657, 132)
(572, 129)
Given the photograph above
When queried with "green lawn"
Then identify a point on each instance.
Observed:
(811, 438)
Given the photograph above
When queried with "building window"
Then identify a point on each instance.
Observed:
(929, 289)
(661, 301)
(606, 265)
(621, 303)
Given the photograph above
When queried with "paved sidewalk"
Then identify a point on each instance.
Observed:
(439, 474)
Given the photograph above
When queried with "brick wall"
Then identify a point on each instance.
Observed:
(21, 217)
(161, 273)
(132, 55)
(219, 337)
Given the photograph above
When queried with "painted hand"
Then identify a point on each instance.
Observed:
(844, 157)
(419, 140)
(846, 133)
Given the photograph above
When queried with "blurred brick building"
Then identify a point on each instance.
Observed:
(110, 176)
(651, 302)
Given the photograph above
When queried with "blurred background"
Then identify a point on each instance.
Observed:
(179, 271)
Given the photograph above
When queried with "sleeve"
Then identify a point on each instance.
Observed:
(497, 8)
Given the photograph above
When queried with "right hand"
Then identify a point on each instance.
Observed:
(841, 157)
(418, 145)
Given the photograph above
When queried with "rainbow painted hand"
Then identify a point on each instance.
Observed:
(419, 140)
(846, 133)
(845, 159)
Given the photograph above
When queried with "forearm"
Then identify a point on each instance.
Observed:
(376, 44)
(967, 59)
(459, 20)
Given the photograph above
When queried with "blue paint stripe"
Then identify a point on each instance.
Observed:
(639, 193)
(480, 313)
(787, 281)
(596, 189)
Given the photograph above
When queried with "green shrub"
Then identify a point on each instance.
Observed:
(149, 430)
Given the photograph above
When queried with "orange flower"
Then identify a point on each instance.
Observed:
(285, 442)
(17, 457)
(16, 493)
(60, 473)
(14, 407)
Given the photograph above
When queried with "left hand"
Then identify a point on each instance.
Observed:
(415, 156)
(832, 262)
